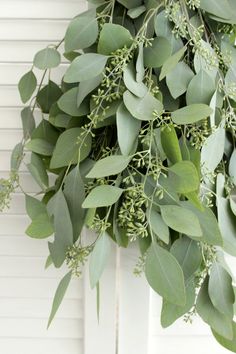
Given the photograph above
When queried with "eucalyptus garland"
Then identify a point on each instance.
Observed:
(139, 143)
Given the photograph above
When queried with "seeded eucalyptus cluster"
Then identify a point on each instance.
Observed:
(137, 143)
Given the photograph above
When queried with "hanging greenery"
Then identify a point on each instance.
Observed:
(140, 139)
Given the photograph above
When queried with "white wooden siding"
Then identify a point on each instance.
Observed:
(26, 289)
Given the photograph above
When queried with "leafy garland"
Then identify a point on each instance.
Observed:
(140, 137)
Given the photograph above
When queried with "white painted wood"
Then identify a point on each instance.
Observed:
(26, 288)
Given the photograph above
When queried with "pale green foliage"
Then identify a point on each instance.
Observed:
(140, 136)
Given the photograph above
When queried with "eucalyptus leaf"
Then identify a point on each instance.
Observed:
(109, 166)
(101, 196)
(40, 227)
(158, 226)
(200, 89)
(181, 219)
(165, 275)
(59, 295)
(158, 53)
(28, 122)
(38, 171)
(170, 144)
(99, 258)
(48, 95)
(16, 156)
(137, 88)
(85, 67)
(180, 86)
(85, 87)
(113, 37)
(27, 86)
(184, 177)
(40, 146)
(47, 58)
(191, 114)
(171, 63)
(127, 130)
(67, 103)
(142, 108)
(229, 344)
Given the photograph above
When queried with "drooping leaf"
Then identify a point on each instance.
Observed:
(219, 322)
(136, 12)
(34, 207)
(109, 166)
(191, 114)
(40, 146)
(85, 67)
(129, 4)
(188, 254)
(27, 85)
(227, 343)
(48, 95)
(200, 89)
(82, 32)
(184, 74)
(67, 103)
(158, 226)
(40, 227)
(47, 58)
(171, 312)
(170, 144)
(140, 71)
(28, 122)
(137, 88)
(99, 258)
(38, 171)
(142, 108)
(59, 295)
(71, 147)
(220, 8)
(157, 54)
(74, 191)
(127, 130)
(221, 290)
(102, 196)
(113, 37)
(227, 225)
(165, 275)
(85, 87)
(16, 157)
(232, 166)
(181, 220)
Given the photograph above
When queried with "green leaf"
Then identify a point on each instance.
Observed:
(181, 220)
(201, 62)
(74, 191)
(232, 166)
(113, 37)
(85, 67)
(136, 12)
(81, 33)
(28, 122)
(48, 95)
(38, 171)
(85, 87)
(157, 54)
(209, 225)
(170, 144)
(171, 312)
(59, 295)
(219, 322)
(220, 8)
(34, 207)
(137, 88)
(71, 147)
(227, 225)
(184, 74)
(41, 227)
(227, 343)
(27, 85)
(129, 4)
(158, 226)
(188, 254)
(109, 166)
(200, 89)
(140, 71)
(68, 104)
(16, 157)
(102, 196)
(221, 291)
(165, 275)
(171, 63)
(58, 208)
(184, 177)
(142, 108)
(99, 258)
(191, 114)
(47, 58)
(213, 150)
(40, 146)
(127, 130)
